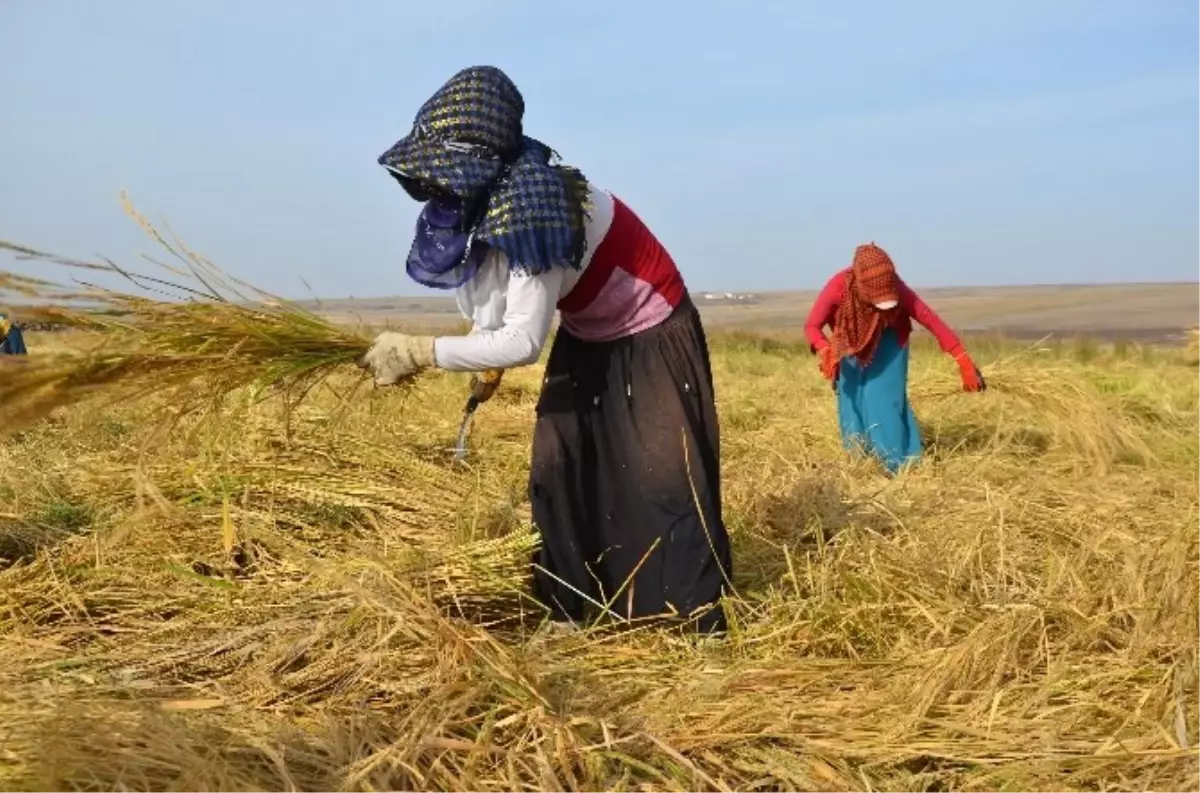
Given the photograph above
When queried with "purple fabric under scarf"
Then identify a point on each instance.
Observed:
(440, 246)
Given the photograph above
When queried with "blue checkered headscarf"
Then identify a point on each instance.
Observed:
(467, 143)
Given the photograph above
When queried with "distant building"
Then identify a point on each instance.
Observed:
(726, 296)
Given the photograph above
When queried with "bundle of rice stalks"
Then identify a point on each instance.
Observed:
(1068, 410)
(212, 335)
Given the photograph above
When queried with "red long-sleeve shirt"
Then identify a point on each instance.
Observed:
(824, 312)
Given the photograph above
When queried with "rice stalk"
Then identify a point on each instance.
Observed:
(251, 612)
(1056, 400)
(991, 620)
(208, 336)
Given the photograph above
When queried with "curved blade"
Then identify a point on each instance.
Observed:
(460, 448)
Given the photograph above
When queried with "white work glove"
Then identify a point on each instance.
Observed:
(397, 356)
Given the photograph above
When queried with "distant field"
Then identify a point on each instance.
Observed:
(1150, 313)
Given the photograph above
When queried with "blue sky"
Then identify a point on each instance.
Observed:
(992, 142)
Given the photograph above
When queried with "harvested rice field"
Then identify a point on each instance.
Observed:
(317, 599)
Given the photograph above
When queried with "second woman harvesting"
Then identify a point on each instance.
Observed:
(871, 312)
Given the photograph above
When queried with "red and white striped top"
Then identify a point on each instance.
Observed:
(630, 284)
(627, 283)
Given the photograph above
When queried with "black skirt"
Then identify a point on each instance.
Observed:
(625, 481)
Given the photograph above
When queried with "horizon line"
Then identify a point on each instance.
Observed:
(434, 294)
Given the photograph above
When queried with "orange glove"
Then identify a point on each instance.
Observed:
(829, 364)
(972, 378)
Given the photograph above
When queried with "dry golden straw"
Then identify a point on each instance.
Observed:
(340, 609)
(215, 335)
(347, 612)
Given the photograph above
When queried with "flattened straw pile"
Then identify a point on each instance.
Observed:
(1055, 400)
(984, 623)
(346, 612)
(212, 335)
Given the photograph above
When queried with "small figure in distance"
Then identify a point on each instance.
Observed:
(871, 311)
(12, 342)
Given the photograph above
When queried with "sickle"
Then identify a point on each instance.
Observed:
(460, 448)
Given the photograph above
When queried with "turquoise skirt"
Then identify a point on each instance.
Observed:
(873, 410)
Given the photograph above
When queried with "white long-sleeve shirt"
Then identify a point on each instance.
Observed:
(626, 283)
(511, 315)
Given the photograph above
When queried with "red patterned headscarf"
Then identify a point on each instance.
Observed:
(872, 279)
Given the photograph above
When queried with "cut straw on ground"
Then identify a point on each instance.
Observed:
(337, 607)
(347, 611)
